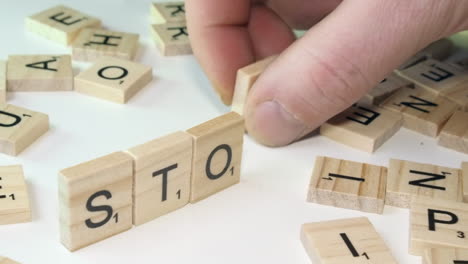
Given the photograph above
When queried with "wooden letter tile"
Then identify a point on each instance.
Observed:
(14, 198)
(95, 200)
(5, 260)
(39, 73)
(445, 256)
(407, 180)
(172, 38)
(61, 24)
(362, 127)
(19, 128)
(162, 176)
(459, 95)
(94, 43)
(437, 224)
(168, 12)
(465, 181)
(246, 77)
(383, 90)
(454, 135)
(435, 76)
(217, 155)
(113, 79)
(351, 241)
(423, 111)
(3, 81)
(348, 184)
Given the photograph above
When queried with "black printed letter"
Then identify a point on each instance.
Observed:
(91, 208)
(43, 65)
(14, 123)
(164, 173)
(433, 220)
(367, 119)
(209, 173)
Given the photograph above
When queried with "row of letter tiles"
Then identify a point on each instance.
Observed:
(352, 240)
(14, 198)
(104, 197)
(365, 187)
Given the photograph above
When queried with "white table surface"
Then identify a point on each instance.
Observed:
(256, 221)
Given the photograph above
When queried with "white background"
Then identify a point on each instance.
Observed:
(256, 221)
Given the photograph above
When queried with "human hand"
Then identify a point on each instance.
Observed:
(349, 48)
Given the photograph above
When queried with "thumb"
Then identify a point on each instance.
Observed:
(338, 61)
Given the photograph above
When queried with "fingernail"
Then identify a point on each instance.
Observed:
(272, 125)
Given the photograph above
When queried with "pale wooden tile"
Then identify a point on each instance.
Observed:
(60, 23)
(3, 82)
(168, 12)
(458, 95)
(172, 38)
(162, 176)
(217, 155)
(465, 181)
(14, 198)
(437, 224)
(19, 128)
(5, 260)
(113, 79)
(435, 76)
(95, 200)
(383, 90)
(362, 127)
(351, 241)
(454, 135)
(348, 184)
(439, 50)
(246, 77)
(422, 111)
(39, 73)
(94, 43)
(445, 256)
(407, 180)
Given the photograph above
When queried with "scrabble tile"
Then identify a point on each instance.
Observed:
(435, 76)
(60, 23)
(459, 95)
(162, 176)
(423, 111)
(217, 155)
(361, 127)
(113, 79)
(351, 241)
(5, 260)
(246, 77)
(407, 180)
(14, 198)
(454, 135)
(445, 256)
(3, 81)
(348, 184)
(438, 50)
(437, 224)
(19, 128)
(39, 73)
(95, 200)
(171, 38)
(383, 90)
(168, 12)
(463, 63)
(465, 181)
(94, 43)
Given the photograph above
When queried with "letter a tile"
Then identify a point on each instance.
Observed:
(93, 43)
(113, 79)
(350, 241)
(362, 127)
(171, 38)
(162, 176)
(14, 198)
(437, 224)
(423, 111)
(39, 73)
(348, 184)
(217, 155)
(60, 23)
(445, 256)
(95, 200)
(408, 180)
(19, 128)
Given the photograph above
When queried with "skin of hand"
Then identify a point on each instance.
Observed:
(349, 47)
